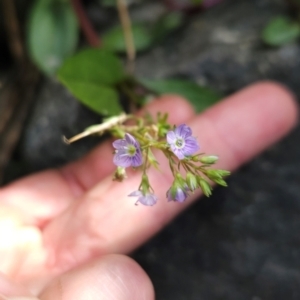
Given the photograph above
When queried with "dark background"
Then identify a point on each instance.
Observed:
(243, 242)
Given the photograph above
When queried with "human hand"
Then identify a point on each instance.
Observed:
(67, 229)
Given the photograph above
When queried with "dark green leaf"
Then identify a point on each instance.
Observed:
(200, 97)
(92, 66)
(101, 99)
(108, 2)
(114, 38)
(166, 25)
(90, 76)
(52, 34)
(281, 31)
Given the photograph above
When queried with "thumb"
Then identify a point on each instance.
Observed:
(109, 277)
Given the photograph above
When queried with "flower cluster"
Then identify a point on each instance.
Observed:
(178, 145)
(135, 148)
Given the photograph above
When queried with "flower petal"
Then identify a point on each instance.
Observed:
(169, 195)
(117, 144)
(178, 152)
(137, 159)
(148, 199)
(180, 195)
(191, 146)
(183, 131)
(171, 137)
(131, 140)
(135, 194)
(122, 160)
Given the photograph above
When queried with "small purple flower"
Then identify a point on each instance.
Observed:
(181, 141)
(177, 193)
(148, 199)
(128, 152)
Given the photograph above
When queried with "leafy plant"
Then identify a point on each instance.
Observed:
(91, 76)
(97, 77)
(52, 33)
(280, 31)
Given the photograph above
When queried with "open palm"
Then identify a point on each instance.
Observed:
(59, 227)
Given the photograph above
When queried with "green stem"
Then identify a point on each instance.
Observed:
(133, 99)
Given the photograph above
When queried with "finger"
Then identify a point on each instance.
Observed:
(10, 289)
(2, 297)
(105, 220)
(110, 277)
(42, 196)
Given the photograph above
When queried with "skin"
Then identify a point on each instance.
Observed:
(64, 233)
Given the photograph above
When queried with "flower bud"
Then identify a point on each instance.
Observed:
(211, 159)
(191, 181)
(205, 186)
(217, 175)
(223, 173)
(213, 174)
(177, 193)
(120, 174)
(179, 180)
(220, 181)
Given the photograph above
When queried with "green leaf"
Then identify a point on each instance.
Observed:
(91, 76)
(114, 38)
(166, 25)
(281, 31)
(92, 66)
(108, 2)
(52, 33)
(101, 99)
(200, 97)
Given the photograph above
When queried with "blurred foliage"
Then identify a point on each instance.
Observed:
(114, 38)
(280, 31)
(200, 97)
(52, 33)
(97, 77)
(144, 37)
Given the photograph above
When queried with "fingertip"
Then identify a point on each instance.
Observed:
(250, 120)
(109, 277)
(277, 105)
(281, 97)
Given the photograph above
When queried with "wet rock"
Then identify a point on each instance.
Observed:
(56, 114)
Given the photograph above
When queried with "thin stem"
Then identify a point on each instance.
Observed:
(86, 26)
(98, 129)
(133, 99)
(13, 30)
(128, 35)
(146, 161)
(187, 167)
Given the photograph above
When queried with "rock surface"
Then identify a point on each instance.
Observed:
(242, 243)
(56, 114)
